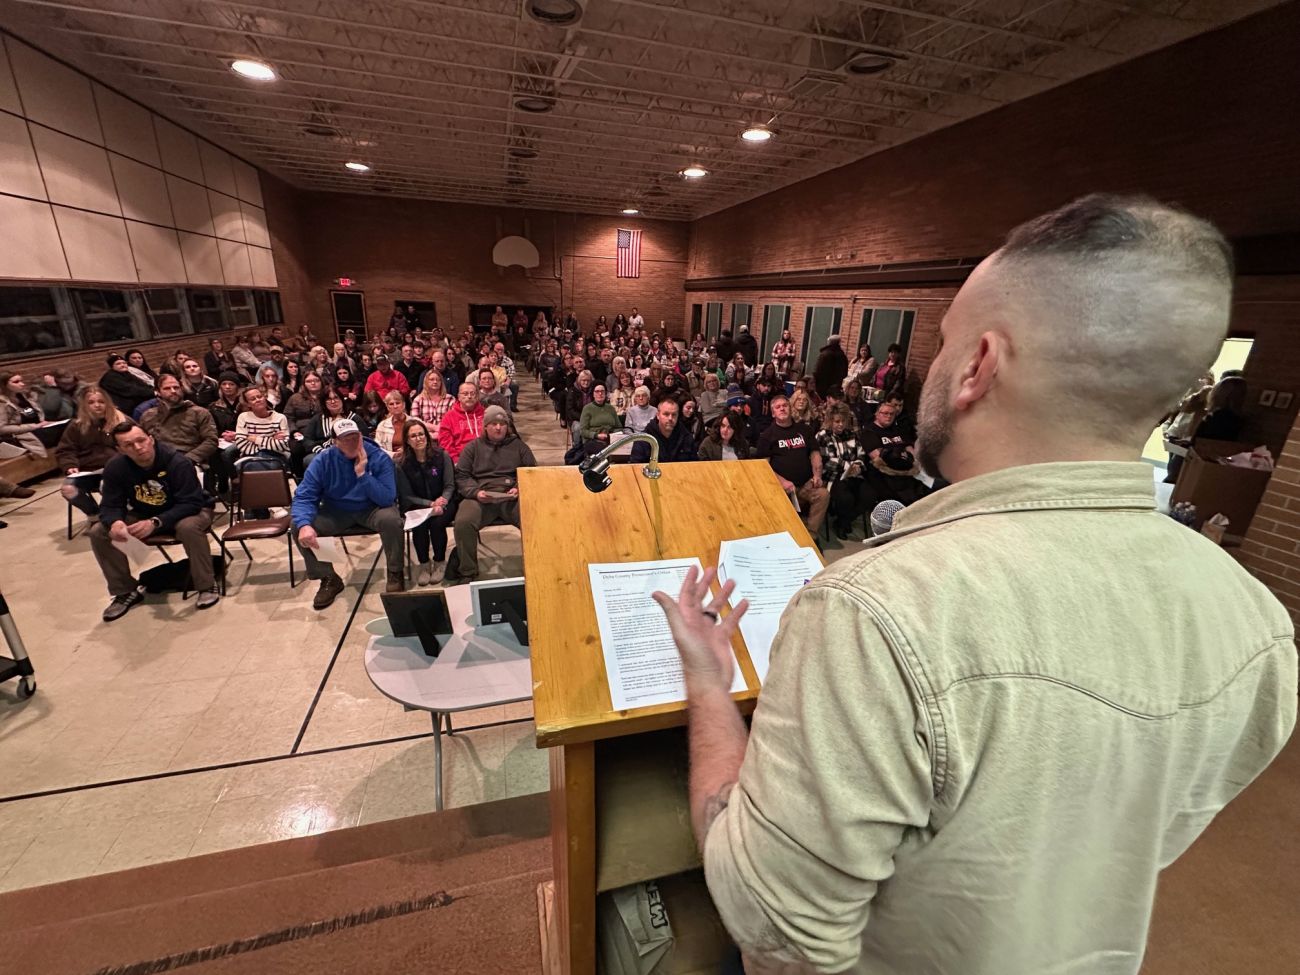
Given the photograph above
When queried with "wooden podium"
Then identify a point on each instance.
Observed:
(619, 813)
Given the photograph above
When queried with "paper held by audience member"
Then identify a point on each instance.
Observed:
(417, 517)
(94, 473)
(768, 571)
(328, 549)
(641, 659)
(137, 552)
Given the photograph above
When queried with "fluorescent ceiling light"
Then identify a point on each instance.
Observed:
(631, 211)
(253, 70)
(757, 133)
(695, 172)
(357, 167)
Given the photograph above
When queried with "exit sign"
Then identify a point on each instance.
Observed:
(344, 282)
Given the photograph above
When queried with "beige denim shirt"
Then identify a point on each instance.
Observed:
(982, 739)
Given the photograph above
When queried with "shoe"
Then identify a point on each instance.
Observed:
(396, 582)
(330, 587)
(423, 574)
(208, 598)
(22, 492)
(121, 605)
(843, 533)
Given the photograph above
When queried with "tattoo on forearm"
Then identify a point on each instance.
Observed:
(714, 805)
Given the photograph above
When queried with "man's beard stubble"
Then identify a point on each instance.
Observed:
(933, 424)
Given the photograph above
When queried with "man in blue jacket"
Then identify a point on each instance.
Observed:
(351, 483)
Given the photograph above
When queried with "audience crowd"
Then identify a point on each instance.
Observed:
(415, 419)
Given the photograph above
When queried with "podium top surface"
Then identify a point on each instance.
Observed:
(689, 511)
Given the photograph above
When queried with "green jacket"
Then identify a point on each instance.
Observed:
(598, 418)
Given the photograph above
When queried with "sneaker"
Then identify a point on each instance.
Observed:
(396, 582)
(208, 598)
(121, 605)
(330, 587)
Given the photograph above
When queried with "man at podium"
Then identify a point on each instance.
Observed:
(981, 740)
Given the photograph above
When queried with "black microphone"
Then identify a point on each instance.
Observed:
(883, 515)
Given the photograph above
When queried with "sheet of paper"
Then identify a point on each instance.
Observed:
(641, 660)
(137, 553)
(417, 517)
(328, 549)
(56, 423)
(96, 473)
(768, 576)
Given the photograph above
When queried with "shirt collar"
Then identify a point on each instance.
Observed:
(1098, 485)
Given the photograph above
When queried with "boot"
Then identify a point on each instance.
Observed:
(423, 574)
(396, 582)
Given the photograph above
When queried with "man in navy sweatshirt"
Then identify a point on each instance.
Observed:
(349, 484)
(150, 488)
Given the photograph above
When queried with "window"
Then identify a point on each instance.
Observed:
(30, 322)
(883, 327)
(267, 306)
(205, 310)
(740, 315)
(239, 308)
(105, 315)
(164, 311)
(712, 320)
(776, 319)
(819, 324)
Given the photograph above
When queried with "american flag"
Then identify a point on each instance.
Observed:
(629, 253)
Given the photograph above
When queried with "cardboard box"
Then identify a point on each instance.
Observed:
(1215, 488)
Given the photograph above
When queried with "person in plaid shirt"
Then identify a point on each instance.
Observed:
(433, 402)
(843, 461)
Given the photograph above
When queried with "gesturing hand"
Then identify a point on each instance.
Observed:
(703, 640)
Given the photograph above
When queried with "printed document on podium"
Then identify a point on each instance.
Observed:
(641, 659)
(768, 570)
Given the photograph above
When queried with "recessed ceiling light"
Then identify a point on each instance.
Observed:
(631, 211)
(695, 172)
(253, 70)
(757, 133)
(555, 13)
(357, 167)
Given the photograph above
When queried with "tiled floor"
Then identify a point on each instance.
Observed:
(169, 690)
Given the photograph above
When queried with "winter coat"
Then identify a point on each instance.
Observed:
(831, 368)
(86, 450)
(487, 466)
(186, 426)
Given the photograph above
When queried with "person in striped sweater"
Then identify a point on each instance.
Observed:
(259, 432)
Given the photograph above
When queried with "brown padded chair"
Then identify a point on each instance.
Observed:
(261, 489)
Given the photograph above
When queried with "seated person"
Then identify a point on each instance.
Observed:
(385, 379)
(463, 423)
(181, 423)
(303, 405)
(59, 393)
(260, 431)
(891, 473)
(389, 432)
(598, 419)
(150, 489)
(724, 441)
(487, 480)
(791, 449)
(319, 434)
(640, 414)
(126, 387)
(490, 393)
(350, 484)
(759, 406)
(843, 464)
(426, 478)
(21, 421)
(87, 444)
(199, 387)
(675, 440)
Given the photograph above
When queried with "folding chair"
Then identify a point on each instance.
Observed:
(256, 490)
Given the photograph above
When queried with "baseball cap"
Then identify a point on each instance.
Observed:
(495, 414)
(343, 427)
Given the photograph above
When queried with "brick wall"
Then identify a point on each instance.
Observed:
(1272, 547)
(442, 252)
(1268, 310)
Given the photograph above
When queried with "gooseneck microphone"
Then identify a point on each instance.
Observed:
(882, 516)
(595, 469)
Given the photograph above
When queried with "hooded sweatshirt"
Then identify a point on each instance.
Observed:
(168, 489)
(331, 481)
(487, 466)
(459, 429)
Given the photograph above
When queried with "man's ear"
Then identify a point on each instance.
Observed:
(981, 369)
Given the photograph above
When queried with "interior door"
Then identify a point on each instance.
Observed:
(349, 312)
(712, 320)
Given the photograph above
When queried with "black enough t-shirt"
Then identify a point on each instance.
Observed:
(789, 451)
